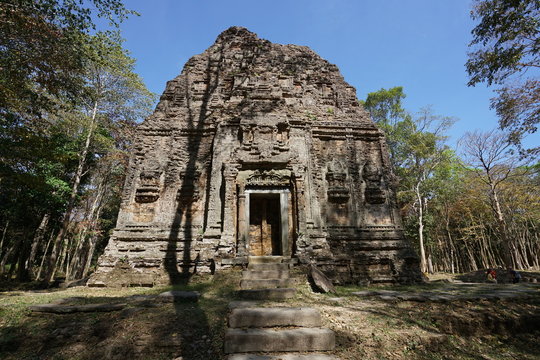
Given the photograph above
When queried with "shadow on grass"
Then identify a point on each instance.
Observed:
(145, 329)
(454, 330)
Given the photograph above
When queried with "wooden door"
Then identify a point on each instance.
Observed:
(264, 223)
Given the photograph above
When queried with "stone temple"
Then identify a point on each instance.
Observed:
(258, 149)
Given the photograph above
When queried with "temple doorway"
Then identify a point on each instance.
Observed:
(265, 225)
(264, 222)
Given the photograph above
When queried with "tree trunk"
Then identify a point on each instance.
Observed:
(76, 267)
(72, 266)
(3, 238)
(89, 256)
(63, 251)
(450, 242)
(38, 238)
(51, 237)
(430, 264)
(501, 225)
(423, 263)
(472, 261)
(12, 250)
(93, 240)
(74, 190)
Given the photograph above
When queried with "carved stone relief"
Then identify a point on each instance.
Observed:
(149, 183)
(336, 176)
(374, 193)
(266, 140)
(267, 178)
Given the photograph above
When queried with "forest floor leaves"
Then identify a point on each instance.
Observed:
(367, 325)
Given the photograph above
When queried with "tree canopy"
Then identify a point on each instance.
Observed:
(506, 53)
(44, 49)
(69, 101)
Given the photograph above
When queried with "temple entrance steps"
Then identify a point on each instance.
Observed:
(266, 272)
(281, 357)
(286, 333)
(256, 260)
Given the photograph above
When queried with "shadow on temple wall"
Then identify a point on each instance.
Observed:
(181, 229)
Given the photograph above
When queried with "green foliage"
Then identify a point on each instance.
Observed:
(69, 101)
(507, 53)
(518, 108)
(43, 49)
(417, 152)
(385, 106)
(386, 110)
(508, 35)
(34, 170)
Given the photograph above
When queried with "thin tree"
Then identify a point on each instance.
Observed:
(423, 151)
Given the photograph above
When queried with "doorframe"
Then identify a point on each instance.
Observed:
(284, 216)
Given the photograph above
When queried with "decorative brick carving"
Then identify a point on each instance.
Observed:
(148, 190)
(268, 178)
(374, 192)
(336, 177)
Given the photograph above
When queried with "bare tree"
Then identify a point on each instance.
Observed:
(490, 157)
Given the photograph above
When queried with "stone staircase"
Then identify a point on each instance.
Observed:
(278, 333)
(266, 272)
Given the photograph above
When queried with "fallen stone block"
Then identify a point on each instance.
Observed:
(96, 283)
(320, 281)
(265, 259)
(67, 309)
(411, 297)
(335, 299)
(364, 293)
(387, 292)
(441, 298)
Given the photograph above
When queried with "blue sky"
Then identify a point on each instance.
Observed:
(418, 44)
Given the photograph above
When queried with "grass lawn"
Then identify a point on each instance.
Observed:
(366, 327)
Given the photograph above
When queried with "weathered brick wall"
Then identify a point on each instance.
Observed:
(245, 114)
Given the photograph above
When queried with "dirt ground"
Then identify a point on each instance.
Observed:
(367, 327)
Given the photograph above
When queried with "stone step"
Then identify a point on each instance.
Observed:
(179, 296)
(269, 267)
(267, 294)
(244, 304)
(265, 259)
(282, 357)
(268, 317)
(265, 283)
(265, 274)
(283, 340)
